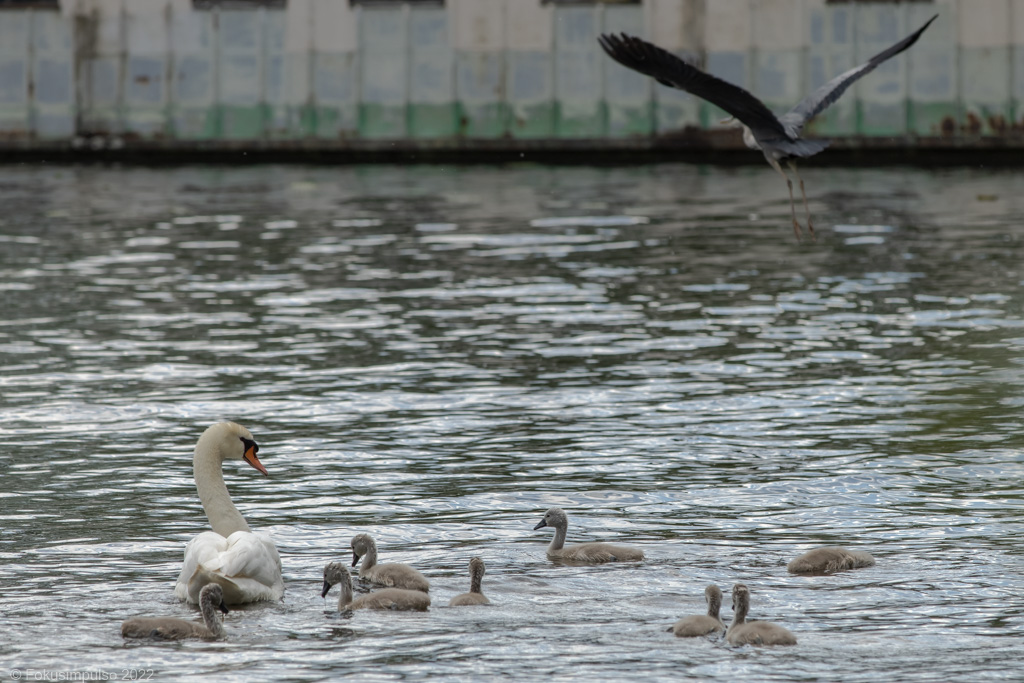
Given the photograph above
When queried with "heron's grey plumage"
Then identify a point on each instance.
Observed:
(670, 70)
(819, 100)
(778, 138)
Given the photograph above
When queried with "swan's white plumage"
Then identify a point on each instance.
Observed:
(245, 564)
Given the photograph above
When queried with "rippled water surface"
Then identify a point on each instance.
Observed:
(436, 355)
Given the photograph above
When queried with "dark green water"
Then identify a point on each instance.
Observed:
(437, 355)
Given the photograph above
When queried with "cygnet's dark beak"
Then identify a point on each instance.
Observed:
(222, 607)
(540, 525)
(327, 587)
(355, 559)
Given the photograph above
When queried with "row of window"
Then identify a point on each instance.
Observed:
(207, 4)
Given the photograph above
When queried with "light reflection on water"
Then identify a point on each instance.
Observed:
(437, 355)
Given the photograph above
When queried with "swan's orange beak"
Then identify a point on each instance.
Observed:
(250, 457)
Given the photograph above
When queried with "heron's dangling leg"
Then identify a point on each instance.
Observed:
(792, 202)
(810, 225)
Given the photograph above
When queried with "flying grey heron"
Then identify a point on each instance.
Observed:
(778, 138)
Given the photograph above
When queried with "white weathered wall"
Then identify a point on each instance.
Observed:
(324, 70)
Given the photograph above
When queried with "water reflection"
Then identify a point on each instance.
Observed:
(437, 355)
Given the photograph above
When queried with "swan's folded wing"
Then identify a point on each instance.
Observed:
(249, 556)
(202, 549)
(246, 565)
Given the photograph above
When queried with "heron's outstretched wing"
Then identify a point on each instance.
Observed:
(825, 95)
(670, 70)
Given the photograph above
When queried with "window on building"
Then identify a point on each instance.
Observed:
(590, 2)
(435, 3)
(23, 4)
(237, 4)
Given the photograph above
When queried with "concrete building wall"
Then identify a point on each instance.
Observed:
(333, 73)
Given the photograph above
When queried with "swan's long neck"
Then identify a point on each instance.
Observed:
(223, 515)
(740, 615)
(344, 593)
(559, 540)
(714, 606)
(211, 618)
(475, 579)
(369, 559)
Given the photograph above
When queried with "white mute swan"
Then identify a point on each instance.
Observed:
(830, 559)
(743, 632)
(391, 574)
(702, 624)
(475, 596)
(336, 574)
(244, 564)
(592, 553)
(211, 598)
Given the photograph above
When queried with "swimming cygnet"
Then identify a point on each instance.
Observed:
(830, 559)
(393, 574)
(583, 552)
(702, 624)
(211, 598)
(336, 574)
(475, 596)
(742, 632)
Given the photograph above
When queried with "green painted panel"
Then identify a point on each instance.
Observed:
(378, 121)
(631, 120)
(54, 105)
(335, 122)
(240, 122)
(581, 122)
(984, 75)
(530, 93)
(933, 119)
(881, 119)
(428, 121)
(484, 120)
(777, 78)
(832, 122)
(299, 122)
(881, 95)
(985, 119)
(105, 119)
(335, 91)
(1017, 109)
(831, 52)
(675, 110)
(533, 121)
(14, 74)
(190, 123)
(627, 94)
